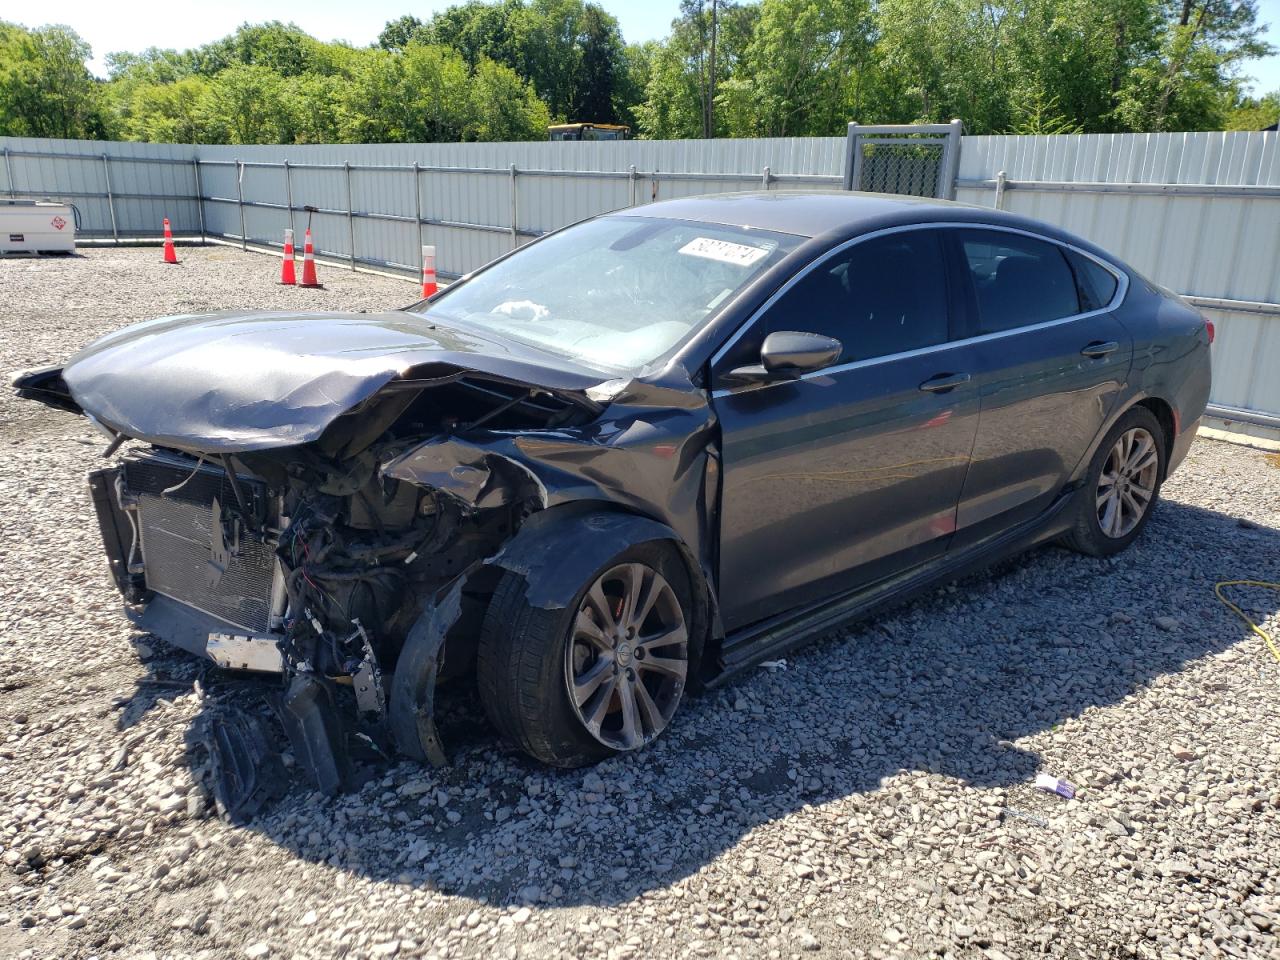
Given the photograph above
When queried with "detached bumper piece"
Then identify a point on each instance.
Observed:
(247, 772)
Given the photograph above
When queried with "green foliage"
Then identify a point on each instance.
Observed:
(801, 66)
(1249, 113)
(45, 88)
(505, 69)
(1041, 116)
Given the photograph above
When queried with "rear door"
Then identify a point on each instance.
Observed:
(849, 474)
(1050, 361)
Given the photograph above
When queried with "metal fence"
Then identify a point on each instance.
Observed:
(919, 160)
(376, 205)
(1198, 212)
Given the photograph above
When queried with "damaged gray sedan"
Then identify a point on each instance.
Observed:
(630, 459)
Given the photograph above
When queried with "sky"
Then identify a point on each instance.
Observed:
(138, 24)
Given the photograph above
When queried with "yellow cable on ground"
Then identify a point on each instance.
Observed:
(1267, 638)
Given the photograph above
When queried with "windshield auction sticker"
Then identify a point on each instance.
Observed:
(739, 254)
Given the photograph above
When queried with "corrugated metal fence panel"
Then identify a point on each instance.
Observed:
(1201, 245)
(149, 181)
(464, 193)
(471, 184)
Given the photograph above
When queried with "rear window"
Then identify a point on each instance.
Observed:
(1018, 281)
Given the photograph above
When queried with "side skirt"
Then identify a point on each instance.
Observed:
(771, 638)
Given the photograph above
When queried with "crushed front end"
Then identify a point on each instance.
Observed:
(309, 562)
(332, 499)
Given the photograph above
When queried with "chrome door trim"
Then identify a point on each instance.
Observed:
(1122, 288)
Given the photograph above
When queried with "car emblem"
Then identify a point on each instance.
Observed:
(58, 223)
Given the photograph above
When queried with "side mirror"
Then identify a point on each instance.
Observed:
(787, 354)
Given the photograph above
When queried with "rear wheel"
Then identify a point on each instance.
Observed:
(1121, 487)
(604, 675)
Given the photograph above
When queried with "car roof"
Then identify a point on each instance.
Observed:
(834, 215)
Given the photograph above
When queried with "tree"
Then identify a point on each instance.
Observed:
(283, 48)
(631, 81)
(672, 107)
(680, 82)
(504, 107)
(45, 88)
(600, 66)
(398, 33)
(177, 112)
(1195, 76)
(249, 103)
(1249, 113)
(803, 60)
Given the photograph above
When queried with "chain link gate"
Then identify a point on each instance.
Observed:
(920, 160)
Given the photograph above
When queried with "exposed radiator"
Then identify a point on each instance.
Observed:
(230, 576)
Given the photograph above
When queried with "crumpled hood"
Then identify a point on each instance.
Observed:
(234, 381)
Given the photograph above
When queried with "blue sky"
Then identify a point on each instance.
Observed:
(138, 24)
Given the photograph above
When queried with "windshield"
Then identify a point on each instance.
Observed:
(615, 292)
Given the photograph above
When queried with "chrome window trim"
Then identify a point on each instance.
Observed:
(1122, 288)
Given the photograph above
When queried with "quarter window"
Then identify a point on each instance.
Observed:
(1097, 284)
(1018, 280)
(885, 295)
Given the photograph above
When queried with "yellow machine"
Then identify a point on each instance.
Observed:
(589, 131)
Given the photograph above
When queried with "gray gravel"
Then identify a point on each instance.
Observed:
(870, 797)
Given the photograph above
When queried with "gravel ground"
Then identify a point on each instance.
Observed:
(872, 797)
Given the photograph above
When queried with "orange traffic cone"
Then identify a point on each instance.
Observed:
(308, 262)
(287, 275)
(429, 286)
(170, 255)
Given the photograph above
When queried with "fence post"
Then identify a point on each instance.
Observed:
(244, 238)
(8, 173)
(1000, 190)
(764, 180)
(288, 194)
(417, 213)
(351, 220)
(632, 175)
(852, 162)
(195, 165)
(952, 165)
(111, 200)
(515, 235)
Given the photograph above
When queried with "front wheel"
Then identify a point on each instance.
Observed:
(604, 675)
(1121, 487)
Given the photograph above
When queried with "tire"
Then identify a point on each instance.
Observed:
(1106, 518)
(529, 658)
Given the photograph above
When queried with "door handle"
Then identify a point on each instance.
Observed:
(1100, 349)
(944, 382)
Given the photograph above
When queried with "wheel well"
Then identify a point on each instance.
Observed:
(1163, 413)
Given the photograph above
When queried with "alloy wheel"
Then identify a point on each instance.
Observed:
(628, 656)
(1128, 482)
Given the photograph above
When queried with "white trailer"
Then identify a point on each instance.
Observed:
(37, 226)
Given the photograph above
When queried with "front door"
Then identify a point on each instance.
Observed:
(847, 475)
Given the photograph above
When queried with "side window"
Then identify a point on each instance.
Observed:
(882, 296)
(1018, 280)
(1097, 284)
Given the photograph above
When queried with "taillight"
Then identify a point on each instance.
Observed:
(1208, 325)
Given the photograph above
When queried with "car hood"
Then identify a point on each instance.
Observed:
(233, 381)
